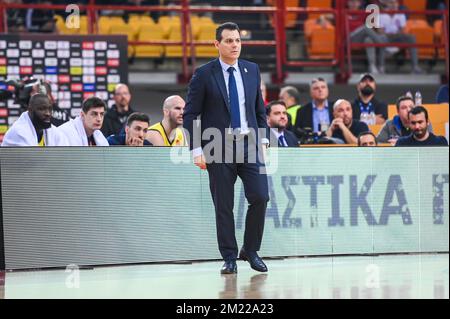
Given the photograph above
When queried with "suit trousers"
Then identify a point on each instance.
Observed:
(222, 177)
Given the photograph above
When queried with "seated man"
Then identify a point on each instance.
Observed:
(34, 128)
(315, 116)
(116, 116)
(392, 31)
(399, 125)
(367, 139)
(418, 123)
(135, 131)
(344, 127)
(84, 130)
(168, 132)
(366, 103)
(277, 120)
(291, 98)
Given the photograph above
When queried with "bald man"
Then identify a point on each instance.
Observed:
(343, 126)
(169, 132)
(116, 117)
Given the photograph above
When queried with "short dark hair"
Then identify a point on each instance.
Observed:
(36, 97)
(315, 80)
(417, 110)
(92, 102)
(226, 26)
(403, 98)
(272, 103)
(293, 92)
(137, 116)
(364, 134)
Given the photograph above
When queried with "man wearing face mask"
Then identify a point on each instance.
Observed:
(366, 103)
(418, 123)
(34, 127)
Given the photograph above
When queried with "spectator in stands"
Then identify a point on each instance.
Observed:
(135, 131)
(84, 130)
(366, 103)
(367, 139)
(169, 132)
(277, 121)
(317, 115)
(435, 5)
(344, 127)
(418, 121)
(399, 125)
(291, 98)
(38, 20)
(361, 33)
(391, 28)
(442, 95)
(264, 91)
(116, 117)
(15, 17)
(34, 127)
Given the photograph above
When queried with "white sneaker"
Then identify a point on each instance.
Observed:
(373, 69)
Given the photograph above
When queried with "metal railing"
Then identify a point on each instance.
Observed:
(343, 47)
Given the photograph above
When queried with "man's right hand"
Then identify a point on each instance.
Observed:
(200, 161)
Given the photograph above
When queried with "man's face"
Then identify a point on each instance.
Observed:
(403, 110)
(136, 131)
(122, 96)
(367, 140)
(229, 46)
(176, 112)
(286, 98)
(42, 110)
(344, 111)
(319, 91)
(278, 117)
(93, 119)
(418, 125)
(367, 84)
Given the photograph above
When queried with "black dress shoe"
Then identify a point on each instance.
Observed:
(255, 261)
(229, 267)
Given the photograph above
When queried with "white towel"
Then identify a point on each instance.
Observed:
(76, 134)
(23, 133)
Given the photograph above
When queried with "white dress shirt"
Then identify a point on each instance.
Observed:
(241, 95)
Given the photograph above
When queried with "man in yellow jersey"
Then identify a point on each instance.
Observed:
(34, 127)
(169, 132)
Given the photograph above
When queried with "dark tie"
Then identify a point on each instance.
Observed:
(234, 100)
(282, 141)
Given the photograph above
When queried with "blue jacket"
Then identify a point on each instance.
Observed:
(119, 139)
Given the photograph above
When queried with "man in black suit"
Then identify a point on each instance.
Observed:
(277, 120)
(317, 115)
(226, 94)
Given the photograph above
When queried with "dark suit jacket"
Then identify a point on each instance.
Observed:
(305, 117)
(207, 97)
(291, 139)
